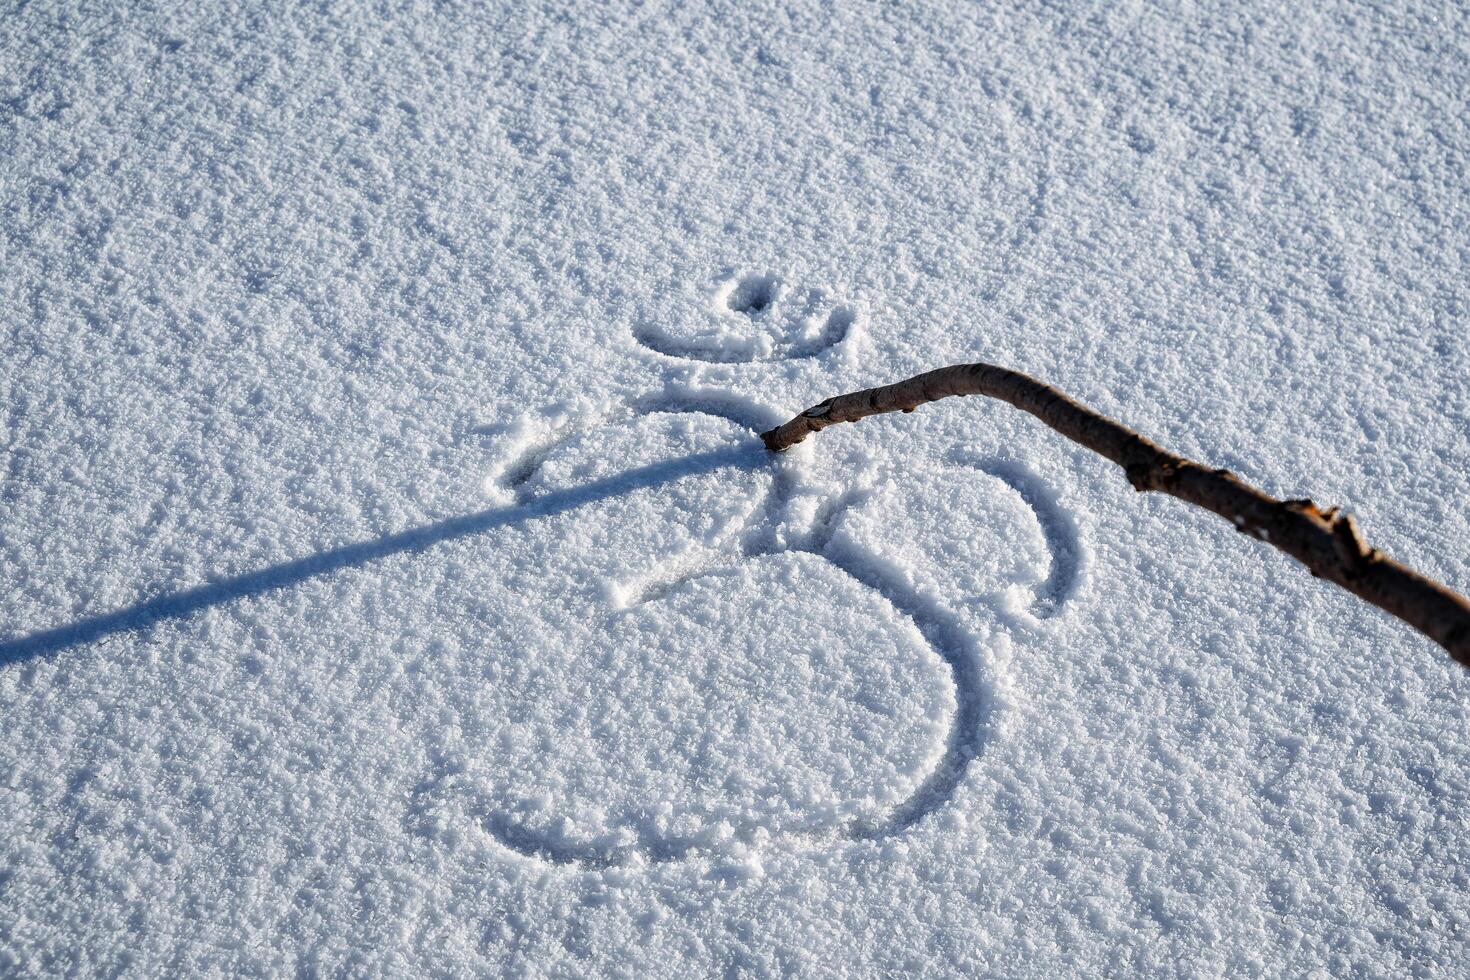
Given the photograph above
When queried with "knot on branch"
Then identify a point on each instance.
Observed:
(1348, 543)
(1308, 506)
(1151, 476)
(1352, 552)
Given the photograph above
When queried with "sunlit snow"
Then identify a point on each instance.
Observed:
(392, 583)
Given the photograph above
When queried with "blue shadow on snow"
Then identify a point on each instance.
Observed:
(175, 605)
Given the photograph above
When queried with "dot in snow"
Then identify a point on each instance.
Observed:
(753, 295)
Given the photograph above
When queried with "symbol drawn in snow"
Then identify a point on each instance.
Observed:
(753, 318)
(753, 295)
(825, 550)
(1063, 540)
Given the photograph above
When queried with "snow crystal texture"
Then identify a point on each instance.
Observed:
(391, 581)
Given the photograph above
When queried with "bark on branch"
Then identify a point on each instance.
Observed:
(1326, 541)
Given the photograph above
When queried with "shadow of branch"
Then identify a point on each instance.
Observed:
(175, 605)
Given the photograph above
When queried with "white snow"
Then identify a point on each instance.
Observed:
(391, 581)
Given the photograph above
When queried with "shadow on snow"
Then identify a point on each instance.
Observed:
(175, 605)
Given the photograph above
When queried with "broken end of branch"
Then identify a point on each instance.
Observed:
(784, 436)
(774, 442)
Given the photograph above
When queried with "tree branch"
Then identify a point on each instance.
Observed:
(1326, 541)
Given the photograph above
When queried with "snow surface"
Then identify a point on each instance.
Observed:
(392, 582)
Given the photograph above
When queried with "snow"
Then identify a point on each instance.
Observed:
(393, 583)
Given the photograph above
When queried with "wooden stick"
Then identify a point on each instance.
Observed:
(1326, 541)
